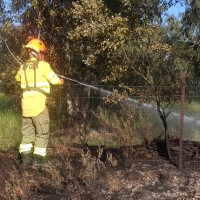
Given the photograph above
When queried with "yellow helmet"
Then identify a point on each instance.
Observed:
(37, 45)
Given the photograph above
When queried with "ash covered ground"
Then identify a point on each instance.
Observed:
(95, 173)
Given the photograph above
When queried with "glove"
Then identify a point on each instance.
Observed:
(62, 81)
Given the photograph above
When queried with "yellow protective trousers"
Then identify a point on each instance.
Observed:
(35, 133)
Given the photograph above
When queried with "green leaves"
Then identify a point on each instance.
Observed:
(120, 42)
(97, 34)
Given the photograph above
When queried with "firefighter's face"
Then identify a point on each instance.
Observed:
(40, 56)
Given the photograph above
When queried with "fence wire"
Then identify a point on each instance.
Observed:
(76, 102)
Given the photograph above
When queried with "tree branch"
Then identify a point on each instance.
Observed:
(10, 50)
(136, 71)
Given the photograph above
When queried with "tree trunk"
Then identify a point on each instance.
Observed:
(168, 156)
(164, 121)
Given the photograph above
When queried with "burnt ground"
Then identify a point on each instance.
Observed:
(87, 173)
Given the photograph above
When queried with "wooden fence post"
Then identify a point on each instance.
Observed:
(182, 119)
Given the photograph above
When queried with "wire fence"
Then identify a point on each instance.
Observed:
(76, 102)
(73, 109)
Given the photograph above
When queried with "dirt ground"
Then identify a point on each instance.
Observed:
(95, 173)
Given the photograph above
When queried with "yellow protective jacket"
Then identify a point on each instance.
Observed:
(33, 101)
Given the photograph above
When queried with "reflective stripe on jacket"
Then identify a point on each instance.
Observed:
(33, 102)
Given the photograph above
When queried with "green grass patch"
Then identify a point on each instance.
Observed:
(190, 108)
(10, 129)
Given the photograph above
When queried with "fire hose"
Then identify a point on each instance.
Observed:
(90, 86)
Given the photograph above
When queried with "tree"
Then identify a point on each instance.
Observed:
(148, 57)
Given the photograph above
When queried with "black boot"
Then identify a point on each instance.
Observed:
(26, 159)
(38, 161)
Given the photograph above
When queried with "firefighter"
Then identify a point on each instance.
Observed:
(35, 77)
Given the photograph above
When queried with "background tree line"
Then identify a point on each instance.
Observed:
(116, 42)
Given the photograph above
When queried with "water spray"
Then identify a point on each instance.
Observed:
(90, 86)
(137, 104)
(174, 117)
(100, 90)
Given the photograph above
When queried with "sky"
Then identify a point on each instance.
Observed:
(176, 10)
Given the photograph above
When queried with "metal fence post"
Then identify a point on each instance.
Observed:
(182, 119)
